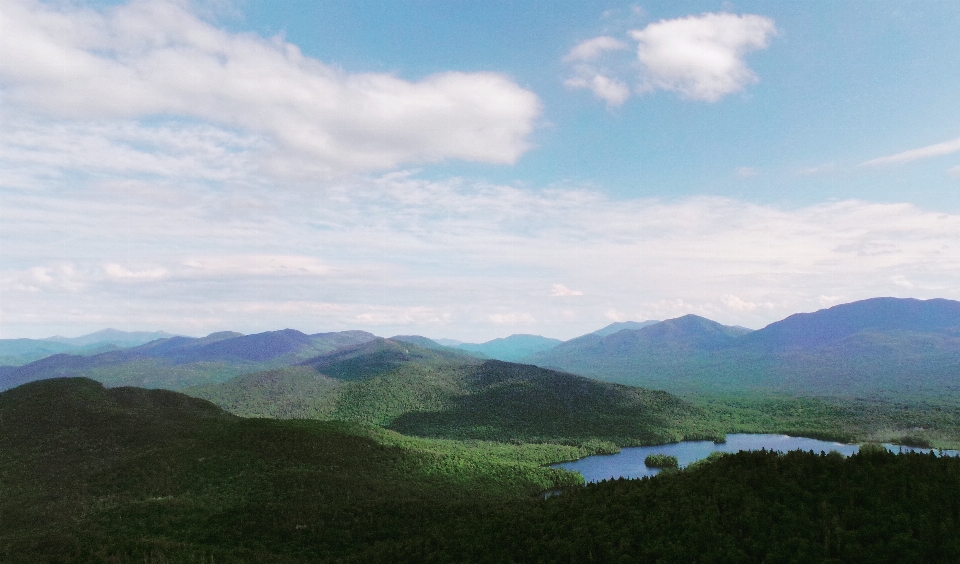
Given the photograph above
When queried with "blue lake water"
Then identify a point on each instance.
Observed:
(629, 462)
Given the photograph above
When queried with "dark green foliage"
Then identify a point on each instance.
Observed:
(431, 393)
(661, 461)
(749, 507)
(506, 401)
(836, 419)
(126, 474)
(911, 441)
(131, 476)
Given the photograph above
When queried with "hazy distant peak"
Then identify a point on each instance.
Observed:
(804, 330)
(419, 341)
(221, 335)
(112, 336)
(512, 348)
(623, 325)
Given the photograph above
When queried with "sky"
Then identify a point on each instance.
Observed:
(471, 169)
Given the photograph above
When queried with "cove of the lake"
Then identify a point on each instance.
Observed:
(628, 463)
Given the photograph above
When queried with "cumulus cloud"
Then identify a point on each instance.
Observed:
(155, 58)
(699, 57)
(930, 151)
(559, 290)
(611, 90)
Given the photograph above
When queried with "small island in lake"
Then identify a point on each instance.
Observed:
(662, 461)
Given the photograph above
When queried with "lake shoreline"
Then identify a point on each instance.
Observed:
(629, 462)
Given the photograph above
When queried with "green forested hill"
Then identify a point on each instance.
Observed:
(129, 475)
(438, 393)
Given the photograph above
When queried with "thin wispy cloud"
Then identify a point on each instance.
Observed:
(930, 151)
(400, 254)
(593, 48)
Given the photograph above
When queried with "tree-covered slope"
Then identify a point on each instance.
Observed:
(131, 475)
(507, 401)
(125, 475)
(750, 507)
(438, 393)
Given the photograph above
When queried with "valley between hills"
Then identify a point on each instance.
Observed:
(345, 446)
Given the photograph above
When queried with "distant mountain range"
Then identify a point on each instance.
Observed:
(16, 352)
(884, 346)
(176, 362)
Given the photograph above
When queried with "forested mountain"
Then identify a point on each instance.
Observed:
(129, 475)
(512, 348)
(176, 362)
(132, 475)
(442, 393)
(883, 346)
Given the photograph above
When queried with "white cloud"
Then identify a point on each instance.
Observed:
(447, 258)
(611, 90)
(614, 315)
(937, 150)
(747, 172)
(738, 304)
(559, 290)
(255, 265)
(593, 48)
(155, 58)
(117, 272)
(954, 171)
(512, 318)
(701, 57)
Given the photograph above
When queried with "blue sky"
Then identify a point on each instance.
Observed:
(840, 83)
(471, 169)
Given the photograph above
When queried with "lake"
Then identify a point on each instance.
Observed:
(629, 462)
